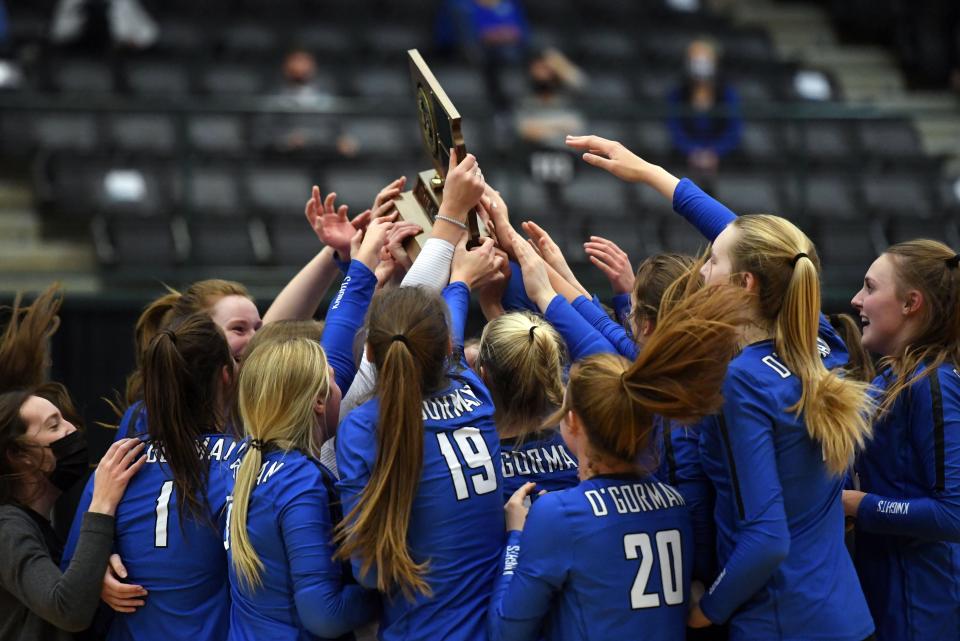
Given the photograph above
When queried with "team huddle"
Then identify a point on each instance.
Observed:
(712, 459)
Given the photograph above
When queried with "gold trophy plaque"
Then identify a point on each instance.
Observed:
(440, 130)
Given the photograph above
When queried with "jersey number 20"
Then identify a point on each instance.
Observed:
(477, 457)
(637, 546)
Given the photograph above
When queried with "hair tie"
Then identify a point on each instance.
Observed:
(793, 263)
(953, 262)
(401, 338)
(256, 444)
(169, 333)
(532, 327)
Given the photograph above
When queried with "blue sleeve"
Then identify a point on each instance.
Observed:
(139, 425)
(355, 449)
(701, 210)
(344, 318)
(457, 296)
(935, 435)
(622, 308)
(763, 539)
(581, 338)
(614, 333)
(535, 566)
(697, 491)
(326, 606)
(515, 295)
(73, 536)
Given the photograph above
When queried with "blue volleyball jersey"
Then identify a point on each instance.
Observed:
(293, 508)
(593, 313)
(908, 525)
(680, 467)
(608, 559)
(784, 570)
(457, 517)
(184, 570)
(541, 458)
(133, 422)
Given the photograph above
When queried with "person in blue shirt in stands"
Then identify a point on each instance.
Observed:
(788, 431)
(521, 359)
(283, 508)
(907, 508)
(612, 557)
(169, 525)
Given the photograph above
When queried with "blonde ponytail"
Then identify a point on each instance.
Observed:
(246, 562)
(837, 411)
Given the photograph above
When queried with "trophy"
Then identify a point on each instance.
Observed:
(440, 130)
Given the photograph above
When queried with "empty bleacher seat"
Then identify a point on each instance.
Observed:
(461, 84)
(381, 82)
(215, 190)
(824, 140)
(890, 139)
(677, 235)
(606, 45)
(327, 39)
(358, 186)
(280, 190)
(216, 240)
(762, 142)
(249, 39)
(143, 133)
(292, 240)
(65, 131)
(144, 243)
(228, 79)
(608, 87)
(829, 196)
(749, 193)
(391, 41)
(216, 134)
(158, 78)
(597, 195)
(81, 75)
(900, 195)
(383, 136)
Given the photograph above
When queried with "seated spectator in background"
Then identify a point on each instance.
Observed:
(705, 122)
(546, 115)
(492, 33)
(94, 24)
(292, 132)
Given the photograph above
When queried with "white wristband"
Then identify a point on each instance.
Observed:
(452, 221)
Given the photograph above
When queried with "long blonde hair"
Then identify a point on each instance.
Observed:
(279, 385)
(837, 411)
(409, 337)
(522, 356)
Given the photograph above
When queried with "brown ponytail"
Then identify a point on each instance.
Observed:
(678, 375)
(183, 394)
(929, 267)
(655, 275)
(409, 337)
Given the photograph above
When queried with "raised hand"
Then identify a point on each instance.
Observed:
(374, 239)
(536, 281)
(463, 187)
(613, 262)
(401, 231)
(389, 192)
(496, 216)
(329, 222)
(551, 253)
(611, 156)
(387, 272)
(490, 292)
(476, 266)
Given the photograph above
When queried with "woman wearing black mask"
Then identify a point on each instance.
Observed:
(42, 454)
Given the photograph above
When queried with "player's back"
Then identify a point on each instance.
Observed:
(456, 522)
(541, 458)
(608, 559)
(291, 492)
(180, 562)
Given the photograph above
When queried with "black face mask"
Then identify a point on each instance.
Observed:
(71, 454)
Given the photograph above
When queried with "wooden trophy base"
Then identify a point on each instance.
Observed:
(421, 205)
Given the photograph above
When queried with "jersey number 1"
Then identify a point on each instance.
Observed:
(163, 515)
(476, 455)
(637, 546)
